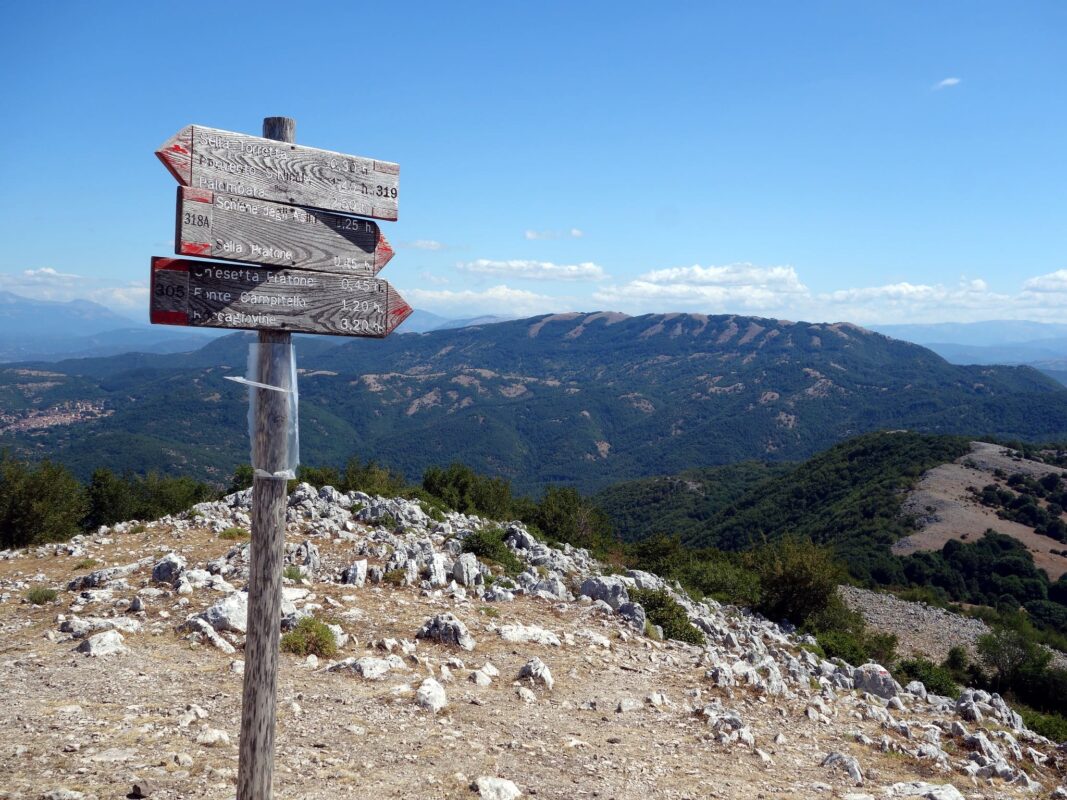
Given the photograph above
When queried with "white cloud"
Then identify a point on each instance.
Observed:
(779, 292)
(133, 297)
(947, 83)
(535, 270)
(572, 233)
(48, 283)
(1052, 282)
(500, 300)
(713, 289)
(425, 244)
(433, 278)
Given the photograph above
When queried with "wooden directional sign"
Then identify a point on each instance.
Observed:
(266, 169)
(237, 228)
(213, 294)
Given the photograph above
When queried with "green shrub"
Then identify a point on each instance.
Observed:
(386, 521)
(310, 637)
(319, 476)
(39, 595)
(231, 534)
(881, 647)
(488, 544)
(565, 516)
(936, 678)
(663, 610)
(432, 511)
(858, 647)
(490, 612)
(372, 479)
(462, 489)
(42, 503)
(140, 527)
(394, 577)
(293, 573)
(1053, 726)
(798, 578)
(86, 563)
(845, 645)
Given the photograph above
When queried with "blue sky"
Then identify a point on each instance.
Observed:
(878, 163)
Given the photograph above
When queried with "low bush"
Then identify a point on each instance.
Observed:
(858, 647)
(232, 534)
(488, 544)
(310, 637)
(1054, 726)
(663, 610)
(394, 577)
(936, 678)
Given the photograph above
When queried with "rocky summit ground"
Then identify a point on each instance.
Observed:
(451, 681)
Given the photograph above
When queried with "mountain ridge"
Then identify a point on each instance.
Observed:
(580, 398)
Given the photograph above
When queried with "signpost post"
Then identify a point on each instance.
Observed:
(283, 208)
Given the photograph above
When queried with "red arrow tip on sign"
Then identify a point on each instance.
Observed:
(399, 311)
(382, 253)
(177, 155)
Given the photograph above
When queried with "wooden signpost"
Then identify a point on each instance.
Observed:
(273, 204)
(265, 169)
(214, 295)
(218, 225)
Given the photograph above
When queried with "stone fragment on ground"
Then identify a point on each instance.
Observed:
(490, 788)
(446, 629)
(108, 643)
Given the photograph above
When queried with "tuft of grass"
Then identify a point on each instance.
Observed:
(140, 527)
(387, 521)
(39, 595)
(232, 534)
(394, 577)
(490, 612)
(310, 637)
(293, 573)
(86, 563)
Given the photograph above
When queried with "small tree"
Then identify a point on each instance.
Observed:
(42, 504)
(798, 578)
(111, 500)
(1010, 654)
(568, 517)
(371, 478)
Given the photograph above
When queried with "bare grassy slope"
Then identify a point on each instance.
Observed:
(947, 510)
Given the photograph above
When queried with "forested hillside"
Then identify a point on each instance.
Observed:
(582, 399)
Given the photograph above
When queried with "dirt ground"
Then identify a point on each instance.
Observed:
(95, 725)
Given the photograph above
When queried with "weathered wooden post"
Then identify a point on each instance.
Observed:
(295, 214)
(270, 455)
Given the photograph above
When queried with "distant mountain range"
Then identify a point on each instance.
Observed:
(1040, 344)
(583, 399)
